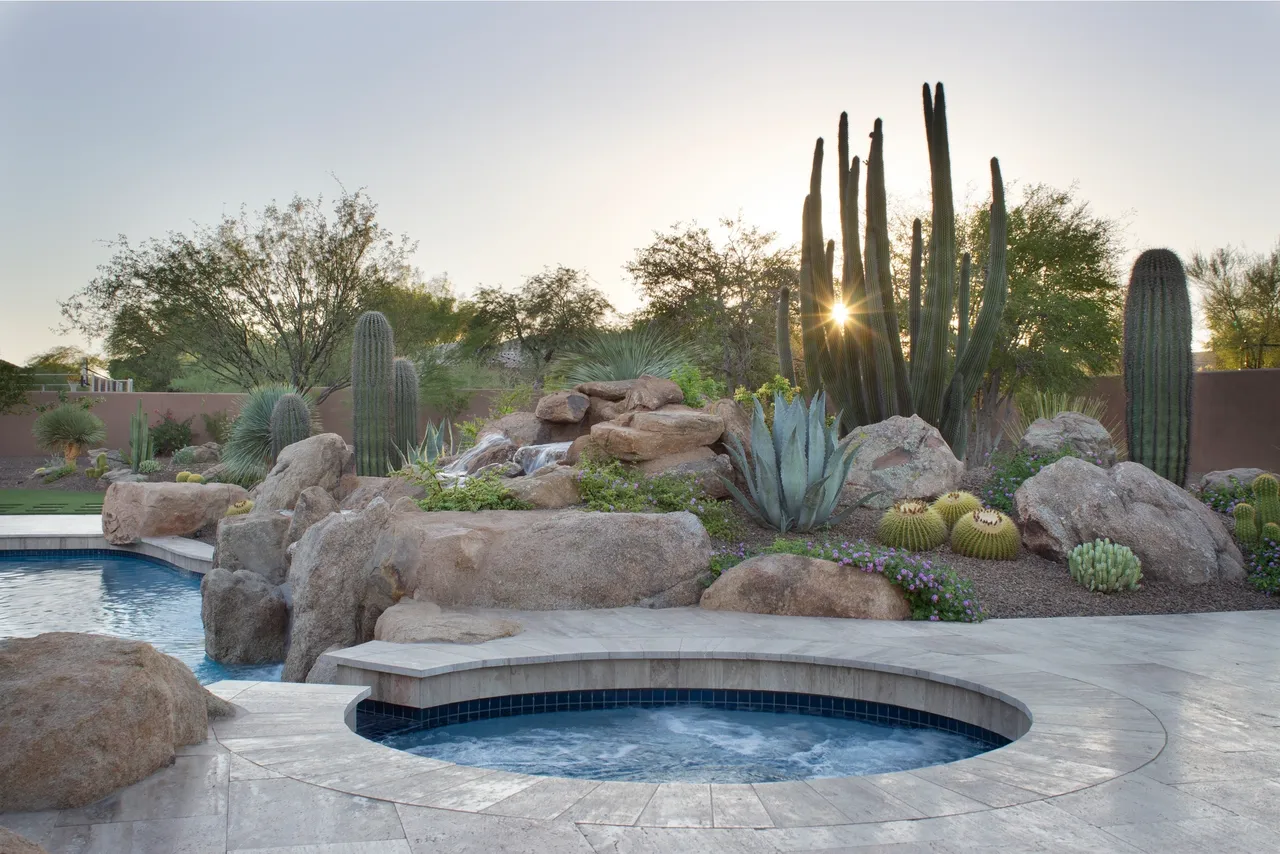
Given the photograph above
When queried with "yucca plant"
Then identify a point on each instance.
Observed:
(69, 429)
(797, 470)
(249, 454)
(436, 442)
(624, 354)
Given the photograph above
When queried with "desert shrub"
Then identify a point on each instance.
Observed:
(765, 395)
(247, 455)
(170, 434)
(184, 456)
(624, 354)
(149, 467)
(698, 390)
(1224, 499)
(610, 487)
(934, 591)
(477, 492)
(68, 429)
(511, 400)
(57, 472)
(217, 425)
(1009, 471)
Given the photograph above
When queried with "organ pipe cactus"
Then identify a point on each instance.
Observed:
(863, 367)
(1246, 524)
(796, 471)
(372, 354)
(405, 400)
(1266, 499)
(290, 422)
(1157, 365)
(786, 362)
(140, 447)
(1105, 566)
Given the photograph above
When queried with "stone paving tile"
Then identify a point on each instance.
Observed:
(854, 799)
(737, 805)
(678, 805)
(431, 831)
(481, 792)
(36, 826)
(1195, 836)
(195, 835)
(385, 846)
(1136, 799)
(612, 803)
(192, 785)
(267, 813)
(803, 803)
(546, 799)
(605, 839)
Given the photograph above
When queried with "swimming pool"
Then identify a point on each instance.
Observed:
(112, 593)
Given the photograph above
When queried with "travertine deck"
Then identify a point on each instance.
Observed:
(85, 532)
(1156, 734)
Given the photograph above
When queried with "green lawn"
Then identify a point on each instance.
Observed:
(29, 502)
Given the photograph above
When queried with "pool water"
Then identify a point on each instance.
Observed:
(113, 594)
(687, 744)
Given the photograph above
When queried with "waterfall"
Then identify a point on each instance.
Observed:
(530, 458)
(458, 468)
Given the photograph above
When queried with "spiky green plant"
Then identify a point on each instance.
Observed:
(952, 505)
(405, 400)
(436, 440)
(1105, 566)
(912, 525)
(786, 362)
(68, 429)
(1270, 533)
(1266, 498)
(986, 534)
(372, 353)
(1157, 365)
(248, 453)
(290, 422)
(624, 354)
(1041, 404)
(863, 366)
(150, 466)
(98, 469)
(181, 477)
(796, 471)
(140, 447)
(1246, 524)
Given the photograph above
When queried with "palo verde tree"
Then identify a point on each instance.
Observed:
(269, 298)
(1240, 299)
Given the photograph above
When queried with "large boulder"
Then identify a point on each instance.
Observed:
(649, 435)
(704, 465)
(549, 488)
(363, 489)
(613, 390)
(562, 407)
(798, 586)
(1083, 436)
(131, 511)
(411, 621)
(649, 393)
(316, 461)
(84, 715)
(599, 409)
(313, 505)
(525, 428)
(336, 601)
(736, 422)
(256, 542)
(246, 618)
(579, 447)
(530, 458)
(209, 452)
(902, 458)
(123, 474)
(1227, 478)
(1177, 538)
(12, 843)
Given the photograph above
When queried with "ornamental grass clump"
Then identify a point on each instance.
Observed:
(987, 534)
(1105, 567)
(912, 525)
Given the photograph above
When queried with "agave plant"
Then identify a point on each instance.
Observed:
(796, 471)
(436, 441)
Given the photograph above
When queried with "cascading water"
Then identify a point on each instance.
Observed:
(530, 458)
(461, 467)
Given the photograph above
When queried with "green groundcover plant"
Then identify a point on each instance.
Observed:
(475, 492)
(1009, 471)
(1223, 499)
(1263, 564)
(934, 591)
(611, 487)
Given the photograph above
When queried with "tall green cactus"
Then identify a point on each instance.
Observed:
(405, 399)
(1157, 365)
(140, 447)
(290, 422)
(372, 353)
(863, 367)
(786, 362)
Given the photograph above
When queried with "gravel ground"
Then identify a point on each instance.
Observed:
(1034, 587)
(17, 473)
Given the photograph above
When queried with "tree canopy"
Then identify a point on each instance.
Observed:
(1240, 298)
(269, 298)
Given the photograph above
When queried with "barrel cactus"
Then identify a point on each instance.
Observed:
(372, 355)
(952, 505)
(1105, 566)
(1266, 499)
(1246, 528)
(290, 422)
(181, 477)
(1270, 533)
(912, 525)
(239, 508)
(986, 534)
(1157, 365)
(405, 398)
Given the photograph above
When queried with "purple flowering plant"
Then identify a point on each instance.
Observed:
(934, 591)
(1009, 470)
(1223, 499)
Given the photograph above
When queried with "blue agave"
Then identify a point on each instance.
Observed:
(437, 440)
(795, 472)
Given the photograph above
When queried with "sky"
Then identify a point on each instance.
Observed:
(504, 138)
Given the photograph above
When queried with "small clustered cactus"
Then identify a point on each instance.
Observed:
(912, 525)
(1266, 499)
(189, 477)
(98, 469)
(986, 534)
(1105, 566)
(1246, 529)
(150, 466)
(952, 505)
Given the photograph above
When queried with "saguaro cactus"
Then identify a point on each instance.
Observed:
(863, 367)
(290, 422)
(405, 398)
(372, 354)
(1157, 365)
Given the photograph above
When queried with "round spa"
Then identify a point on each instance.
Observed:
(773, 720)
